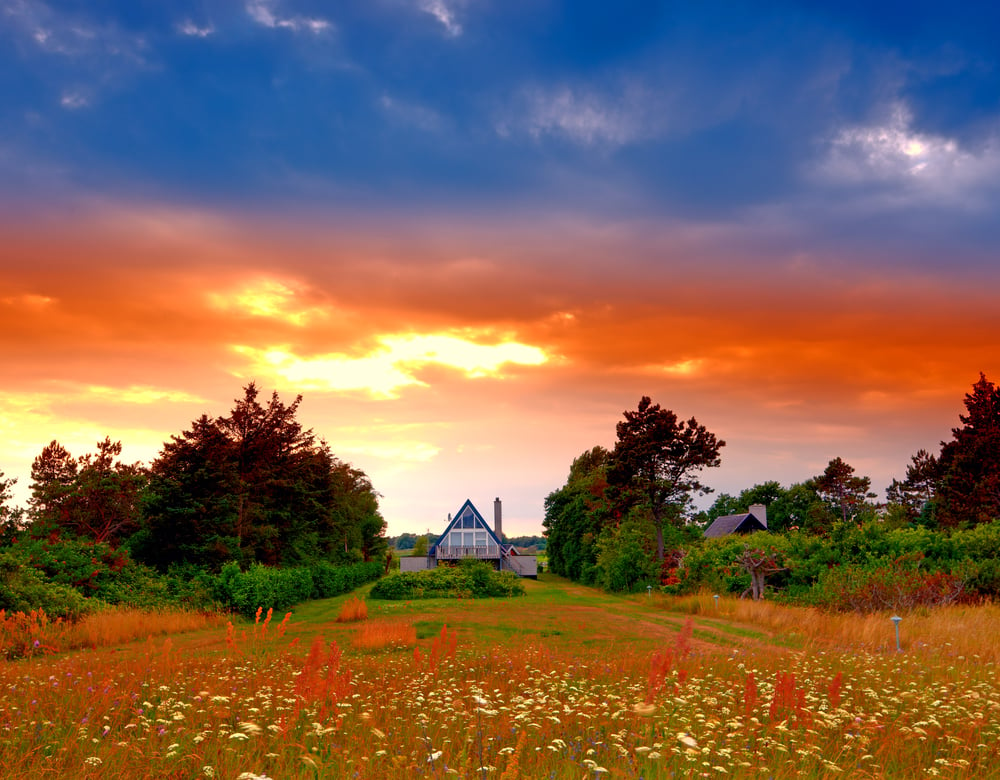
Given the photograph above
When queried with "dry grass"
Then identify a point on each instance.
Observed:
(352, 611)
(961, 630)
(33, 633)
(378, 635)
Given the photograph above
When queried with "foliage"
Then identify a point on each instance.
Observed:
(275, 588)
(969, 464)
(626, 557)
(94, 497)
(254, 486)
(846, 493)
(470, 579)
(886, 585)
(24, 589)
(656, 462)
(575, 515)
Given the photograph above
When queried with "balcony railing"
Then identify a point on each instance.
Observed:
(488, 552)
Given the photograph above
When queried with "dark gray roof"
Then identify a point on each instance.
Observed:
(734, 524)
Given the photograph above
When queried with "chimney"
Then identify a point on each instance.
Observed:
(760, 512)
(498, 519)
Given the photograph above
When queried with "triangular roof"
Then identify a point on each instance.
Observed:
(459, 515)
(744, 523)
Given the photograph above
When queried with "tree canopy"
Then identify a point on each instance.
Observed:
(657, 461)
(254, 486)
(969, 465)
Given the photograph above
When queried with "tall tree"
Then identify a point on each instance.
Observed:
(657, 459)
(255, 486)
(969, 489)
(53, 473)
(95, 496)
(10, 516)
(919, 487)
(575, 514)
(842, 489)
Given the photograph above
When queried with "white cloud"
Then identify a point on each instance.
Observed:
(921, 165)
(70, 35)
(263, 13)
(582, 116)
(446, 16)
(188, 27)
(74, 100)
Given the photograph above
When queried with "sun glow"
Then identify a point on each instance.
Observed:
(393, 364)
(268, 298)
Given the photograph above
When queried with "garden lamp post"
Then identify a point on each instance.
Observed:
(896, 619)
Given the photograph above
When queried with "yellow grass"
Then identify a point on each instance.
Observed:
(961, 630)
(352, 611)
(374, 636)
(33, 633)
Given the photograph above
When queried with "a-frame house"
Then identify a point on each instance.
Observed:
(468, 535)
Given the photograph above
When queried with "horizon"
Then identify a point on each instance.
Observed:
(472, 234)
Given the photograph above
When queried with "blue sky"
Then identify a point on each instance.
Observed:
(661, 199)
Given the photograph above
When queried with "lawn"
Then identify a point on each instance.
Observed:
(565, 682)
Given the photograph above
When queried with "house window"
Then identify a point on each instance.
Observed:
(480, 538)
(468, 520)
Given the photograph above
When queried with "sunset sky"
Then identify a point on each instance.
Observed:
(471, 233)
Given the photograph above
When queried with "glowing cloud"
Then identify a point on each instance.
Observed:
(267, 298)
(393, 364)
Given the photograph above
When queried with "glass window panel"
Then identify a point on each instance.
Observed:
(480, 539)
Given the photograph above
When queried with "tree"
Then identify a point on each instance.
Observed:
(920, 486)
(420, 546)
(254, 486)
(53, 473)
(10, 517)
(844, 491)
(969, 488)
(575, 514)
(93, 497)
(656, 462)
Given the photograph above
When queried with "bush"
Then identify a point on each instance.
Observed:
(886, 585)
(470, 579)
(24, 589)
(268, 587)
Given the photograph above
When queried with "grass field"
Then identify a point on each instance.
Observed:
(565, 682)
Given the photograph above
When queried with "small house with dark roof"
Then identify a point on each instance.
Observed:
(746, 523)
(468, 535)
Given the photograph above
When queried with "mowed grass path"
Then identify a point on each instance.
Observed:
(565, 682)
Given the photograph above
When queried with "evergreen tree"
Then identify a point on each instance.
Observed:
(255, 486)
(969, 465)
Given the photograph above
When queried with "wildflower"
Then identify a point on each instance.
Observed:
(208, 771)
(644, 709)
(92, 761)
(250, 728)
(434, 756)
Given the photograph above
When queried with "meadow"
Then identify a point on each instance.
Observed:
(564, 682)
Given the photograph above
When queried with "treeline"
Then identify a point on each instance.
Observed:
(624, 519)
(252, 490)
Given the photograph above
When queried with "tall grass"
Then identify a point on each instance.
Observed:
(589, 706)
(960, 630)
(33, 633)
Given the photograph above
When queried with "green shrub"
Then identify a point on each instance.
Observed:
(470, 579)
(23, 589)
(267, 587)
